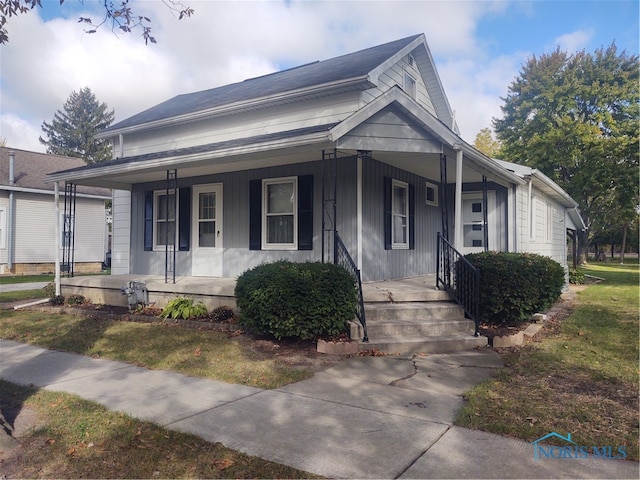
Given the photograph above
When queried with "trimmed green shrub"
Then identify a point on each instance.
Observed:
(576, 277)
(75, 300)
(296, 300)
(514, 286)
(184, 308)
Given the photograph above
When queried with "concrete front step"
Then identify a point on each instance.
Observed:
(416, 328)
(416, 345)
(374, 293)
(413, 311)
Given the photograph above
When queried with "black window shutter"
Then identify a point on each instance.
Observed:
(387, 213)
(255, 215)
(148, 221)
(305, 212)
(412, 217)
(184, 219)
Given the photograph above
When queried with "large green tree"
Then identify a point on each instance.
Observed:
(575, 117)
(72, 130)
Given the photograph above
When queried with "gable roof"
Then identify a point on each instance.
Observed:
(31, 168)
(353, 71)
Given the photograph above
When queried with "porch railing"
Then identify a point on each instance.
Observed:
(342, 258)
(460, 278)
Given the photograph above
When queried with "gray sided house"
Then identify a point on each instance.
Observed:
(363, 148)
(28, 219)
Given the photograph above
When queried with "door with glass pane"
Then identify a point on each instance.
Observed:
(207, 231)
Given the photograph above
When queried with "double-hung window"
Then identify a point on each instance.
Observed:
(400, 214)
(164, 219)
(280, 213)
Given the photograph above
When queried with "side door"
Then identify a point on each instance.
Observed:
(207, 234)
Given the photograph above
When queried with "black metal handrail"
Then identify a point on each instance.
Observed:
(341, 257)
(460, 278)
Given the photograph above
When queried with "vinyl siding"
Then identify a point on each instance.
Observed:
(378, 263)
(121, 232)
(395, 76)
(325, 110)
(35, 219)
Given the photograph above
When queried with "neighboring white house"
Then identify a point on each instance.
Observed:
(363, 146)
(28, 215)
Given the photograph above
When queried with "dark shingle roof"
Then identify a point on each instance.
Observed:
(31, 168)
(348, 66)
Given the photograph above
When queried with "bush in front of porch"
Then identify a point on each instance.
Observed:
(514, 286)
(296, 300)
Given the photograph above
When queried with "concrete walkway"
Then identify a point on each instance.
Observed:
(15, 287)
(368, 417)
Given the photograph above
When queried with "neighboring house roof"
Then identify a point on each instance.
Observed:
(549, 187)
(353, 71)
(31, 168)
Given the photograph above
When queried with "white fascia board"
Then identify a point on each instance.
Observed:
(391, 61)
(488, 163)
(51, 192)
(183, 160)
(239, 107)
(537, 174)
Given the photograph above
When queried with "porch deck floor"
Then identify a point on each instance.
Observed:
(385, 290)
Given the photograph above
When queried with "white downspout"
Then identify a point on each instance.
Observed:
(12, 213)
(56, 199)
(458, 242)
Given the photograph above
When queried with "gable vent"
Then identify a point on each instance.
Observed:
(411, 60)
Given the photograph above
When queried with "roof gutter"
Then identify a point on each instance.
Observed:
(11, 189)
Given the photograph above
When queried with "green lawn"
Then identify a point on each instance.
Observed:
(581, 378)
(8, 279)
(206, 353)
(22, 295)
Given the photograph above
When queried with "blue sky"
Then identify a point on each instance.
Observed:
(478, 47)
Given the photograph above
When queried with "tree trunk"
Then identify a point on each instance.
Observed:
(624, 242)
(583, 247)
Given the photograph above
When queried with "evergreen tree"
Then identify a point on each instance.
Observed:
(72, 130)
(575, 117)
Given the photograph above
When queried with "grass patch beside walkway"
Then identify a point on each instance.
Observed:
(206, 354)
(22, 295)
(75, 438)
(580, 378)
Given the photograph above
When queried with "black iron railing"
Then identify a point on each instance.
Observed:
(342, 258)
(460, 278)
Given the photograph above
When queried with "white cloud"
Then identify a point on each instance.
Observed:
(225, 42)
(572, 42)
(19, 133)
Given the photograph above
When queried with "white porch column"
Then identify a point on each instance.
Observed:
(56, 199)
(457, 217)
(359, 213)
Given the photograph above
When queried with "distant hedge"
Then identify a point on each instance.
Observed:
(300, 300)
(514, 286)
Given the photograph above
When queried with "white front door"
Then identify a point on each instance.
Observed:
(473, 222)
(207, 231)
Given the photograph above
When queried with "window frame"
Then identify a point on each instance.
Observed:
(434, 187)
(394, 244)
(266, 182)
(410, 84)
(156, 211)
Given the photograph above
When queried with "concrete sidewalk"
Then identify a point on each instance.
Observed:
(368, 417)
(15, 287)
